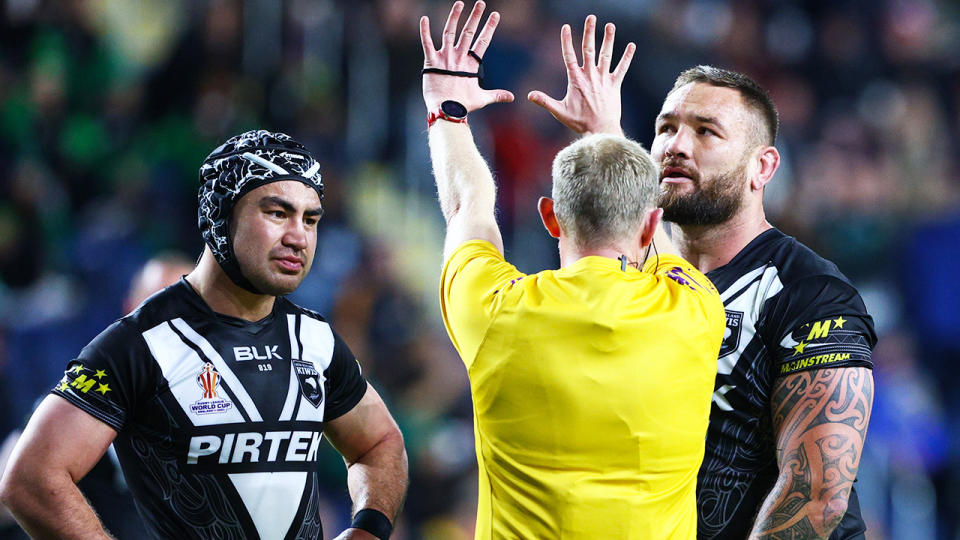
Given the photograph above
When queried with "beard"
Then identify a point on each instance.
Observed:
(711, 205)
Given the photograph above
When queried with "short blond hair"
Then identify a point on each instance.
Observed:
(603, 185)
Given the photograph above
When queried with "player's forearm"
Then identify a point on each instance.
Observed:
(379, 478)
(821, 418)
(463, 179)
(50, 506)
(791, 511)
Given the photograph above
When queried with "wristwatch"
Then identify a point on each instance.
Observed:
(451, 111)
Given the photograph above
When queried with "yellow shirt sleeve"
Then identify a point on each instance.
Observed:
(470, 284)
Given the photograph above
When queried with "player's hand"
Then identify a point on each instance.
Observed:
(592, 103)
(453, 56)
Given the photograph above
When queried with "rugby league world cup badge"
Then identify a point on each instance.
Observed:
(208, 379)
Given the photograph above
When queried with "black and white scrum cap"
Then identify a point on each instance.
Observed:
(244, 163)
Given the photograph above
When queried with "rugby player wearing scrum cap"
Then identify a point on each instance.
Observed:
(216, 391)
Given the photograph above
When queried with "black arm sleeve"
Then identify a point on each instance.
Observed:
(818, 322)
(346, 386)
(104, 380)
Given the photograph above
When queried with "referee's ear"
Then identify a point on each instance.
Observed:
(545, 206)
(650, 224)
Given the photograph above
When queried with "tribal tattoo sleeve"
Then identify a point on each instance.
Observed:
(820, 420)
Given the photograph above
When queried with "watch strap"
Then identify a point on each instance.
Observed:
(438, 114)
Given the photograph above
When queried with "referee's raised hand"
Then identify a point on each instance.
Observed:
(592, 103)
(453, 72)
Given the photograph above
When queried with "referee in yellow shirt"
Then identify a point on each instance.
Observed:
(591, 384)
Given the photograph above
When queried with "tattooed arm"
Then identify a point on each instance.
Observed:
(820, 419)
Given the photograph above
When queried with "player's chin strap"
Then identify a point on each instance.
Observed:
(478, 74)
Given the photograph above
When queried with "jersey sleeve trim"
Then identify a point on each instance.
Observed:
(825, 326)
(346, 373)
(823, 347)
(347, 405)
(823, 361)
(78, 402)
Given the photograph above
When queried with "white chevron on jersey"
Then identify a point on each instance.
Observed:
(267, 497)
(317, 339)
(180, 365)
(741, 283)
(293, 390)
(749, 302)
(240, 439)
(239, 392)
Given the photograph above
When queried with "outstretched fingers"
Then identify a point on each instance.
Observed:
(590, 42)
(470, 28)
(621, 70)
(450, 28)
(567, 51)
(429, 51)
(606, 48)
(486, 34)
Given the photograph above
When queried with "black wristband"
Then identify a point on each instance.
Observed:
(374, 522)
(478, 75)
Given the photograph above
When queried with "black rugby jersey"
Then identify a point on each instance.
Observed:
(788, 310)
(219, 419)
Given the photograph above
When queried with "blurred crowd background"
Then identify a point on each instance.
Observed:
(107, 108)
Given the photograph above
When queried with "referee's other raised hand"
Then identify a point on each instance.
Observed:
(455, 55)
(592, 103)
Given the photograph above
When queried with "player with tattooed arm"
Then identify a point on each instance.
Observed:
(794, 386)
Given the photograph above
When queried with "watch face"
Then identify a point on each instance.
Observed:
(453, 109)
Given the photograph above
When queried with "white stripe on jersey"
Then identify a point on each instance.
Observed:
(181, 365)
(750, 302)
(293, 390)
(292, 331)
(228, 376)
(267, 497)
(741, 283)
(317, 339)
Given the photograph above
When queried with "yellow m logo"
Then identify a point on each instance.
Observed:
(83, 384)
(820, 330)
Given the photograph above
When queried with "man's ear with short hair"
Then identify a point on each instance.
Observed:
(549, 218)
(650, 224)
(769, 162)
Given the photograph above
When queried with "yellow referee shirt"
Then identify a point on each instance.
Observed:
(591, 391)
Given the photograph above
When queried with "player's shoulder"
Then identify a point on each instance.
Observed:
(796, 262)
(286, 307)
(813, 287)
(168, 303)
(783, 263)
(126, 331)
